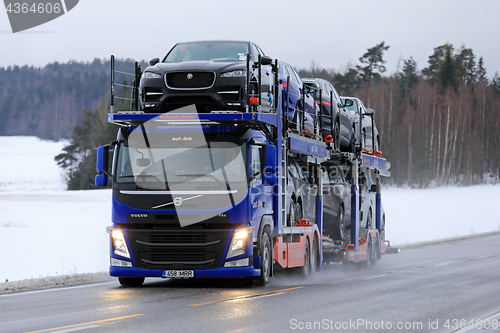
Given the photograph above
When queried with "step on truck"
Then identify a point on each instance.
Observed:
(208, 195)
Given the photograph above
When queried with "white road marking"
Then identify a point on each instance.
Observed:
(444, 263)
(487, 256)
(375, 276)
(74, 329)
(261, 296)
(54, 289)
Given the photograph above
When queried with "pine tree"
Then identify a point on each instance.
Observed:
(465, 61)
(79, 157)
(408, 77)
(496, 83)
(374, 61)
(481, 71)
(448, 72)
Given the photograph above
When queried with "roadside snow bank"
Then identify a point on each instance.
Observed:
(419, 215)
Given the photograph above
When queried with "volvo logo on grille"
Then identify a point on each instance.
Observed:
(189, 76)
(178, 201)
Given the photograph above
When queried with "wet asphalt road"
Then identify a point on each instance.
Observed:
(436, 288)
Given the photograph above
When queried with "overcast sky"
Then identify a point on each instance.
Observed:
(330, 32)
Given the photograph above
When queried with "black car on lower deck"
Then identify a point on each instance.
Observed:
(336, 119)
(302, 194)
(210, 74)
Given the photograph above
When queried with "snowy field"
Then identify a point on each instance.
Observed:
(47, 231)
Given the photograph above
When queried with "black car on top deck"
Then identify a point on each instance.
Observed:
(210, 74)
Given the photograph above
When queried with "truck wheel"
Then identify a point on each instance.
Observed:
(131, 281)
(306, 269)
(265, 258)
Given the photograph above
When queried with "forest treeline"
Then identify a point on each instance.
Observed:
(438, 122)
(439, 125)
(48, 102)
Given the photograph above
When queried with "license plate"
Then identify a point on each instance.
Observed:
(178, 274)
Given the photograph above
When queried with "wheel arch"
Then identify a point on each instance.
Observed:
(266, 221)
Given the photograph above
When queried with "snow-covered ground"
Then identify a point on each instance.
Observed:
(47, 231)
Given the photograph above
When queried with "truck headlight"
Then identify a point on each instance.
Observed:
(237, 73)
(239, 243)
(151, 75)
(119, 245)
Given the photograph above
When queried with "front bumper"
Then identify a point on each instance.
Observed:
(247, 271)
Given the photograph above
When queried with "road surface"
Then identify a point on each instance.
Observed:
(446, 287)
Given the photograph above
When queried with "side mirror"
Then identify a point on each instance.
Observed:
(154, 61)
(101, 180)
(348, 102)
(102, 159)
(369, 112)
(102, 166)
(269, 175)
(265, 60)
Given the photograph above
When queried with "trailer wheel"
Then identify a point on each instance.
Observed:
(315, 256)
(131, 281)
(373, 249)
(266, 261)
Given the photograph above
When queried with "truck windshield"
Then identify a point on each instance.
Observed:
(221, 164)
(208, 51)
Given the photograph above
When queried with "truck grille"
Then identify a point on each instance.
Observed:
(166, 258)
(177, 249)
(190, 80)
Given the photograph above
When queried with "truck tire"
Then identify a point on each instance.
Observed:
(266, 260)
(131, 281)
(373, 249)
(315, 256)
(306, 269)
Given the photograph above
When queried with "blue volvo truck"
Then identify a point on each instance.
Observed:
(208, 195)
